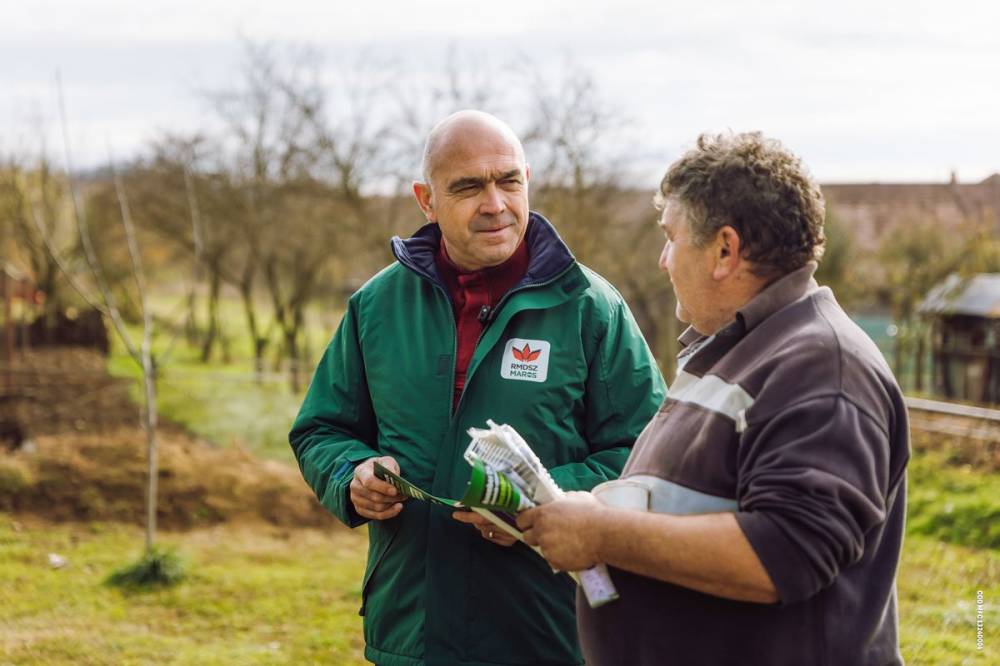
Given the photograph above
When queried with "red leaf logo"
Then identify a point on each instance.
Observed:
(526, 355)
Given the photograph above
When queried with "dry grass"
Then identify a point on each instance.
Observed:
(102, 477)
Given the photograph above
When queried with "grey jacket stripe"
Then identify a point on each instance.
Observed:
(663, 497)
(714, 394)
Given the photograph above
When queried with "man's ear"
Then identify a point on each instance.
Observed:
(422, 193)
(727, 252)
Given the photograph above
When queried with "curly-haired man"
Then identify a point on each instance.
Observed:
(771, 483)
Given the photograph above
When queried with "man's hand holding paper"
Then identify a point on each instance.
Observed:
(372, 497)
(563, 529)
(488, 530)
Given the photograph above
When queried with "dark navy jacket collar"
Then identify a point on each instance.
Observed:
(549, 256)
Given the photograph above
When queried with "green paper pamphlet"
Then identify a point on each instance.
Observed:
(487, 489)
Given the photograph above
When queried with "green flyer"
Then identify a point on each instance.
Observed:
(487, 489)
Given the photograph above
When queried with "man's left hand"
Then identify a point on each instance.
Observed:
(487, 530)
(565, 530)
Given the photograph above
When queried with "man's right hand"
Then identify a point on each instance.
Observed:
(372, 497)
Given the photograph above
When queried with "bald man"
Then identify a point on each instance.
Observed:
(484, 315)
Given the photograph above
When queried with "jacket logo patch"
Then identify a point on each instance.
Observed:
(525, 360)
(526, 354)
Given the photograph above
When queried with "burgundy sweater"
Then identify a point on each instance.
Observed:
(474, 295)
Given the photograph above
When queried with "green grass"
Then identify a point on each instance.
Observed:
(292, 597)
(222, 402)
(254, 595)
(261, 595)
(937, 598)
(953, 503)
(156, 568)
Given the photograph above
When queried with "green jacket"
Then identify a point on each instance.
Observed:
(434, 591)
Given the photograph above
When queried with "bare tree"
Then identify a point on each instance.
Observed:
(270, 130)
(199, 215)
(17, 183)
(304, 166)
(913, 260)
(579, 154)
(108, 305)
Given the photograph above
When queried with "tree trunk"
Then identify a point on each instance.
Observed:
(257, 341)
(212, 334)
(292, 350)
(919, 359)
(149, 424)
(191, 321)
(897, 356)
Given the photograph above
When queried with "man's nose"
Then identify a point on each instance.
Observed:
(493, 202)
(663, 257)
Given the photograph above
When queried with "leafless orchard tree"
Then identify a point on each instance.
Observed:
(18, 180)
(107, 303)
(580, 179)
(199, 214)
(303, 164)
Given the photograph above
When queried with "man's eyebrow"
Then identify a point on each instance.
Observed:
(476, 181)
(461, 183)
(510, 174)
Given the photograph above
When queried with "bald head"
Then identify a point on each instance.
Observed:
(475, 189)
(462, 134)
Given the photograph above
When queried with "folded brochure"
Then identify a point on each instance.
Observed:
(492, 495)
(487, 489)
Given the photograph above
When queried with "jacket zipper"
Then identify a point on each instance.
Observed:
(453, 407)
(489, 321)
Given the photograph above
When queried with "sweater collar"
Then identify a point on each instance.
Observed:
(784, 291)
(548, 254)
(495, 280)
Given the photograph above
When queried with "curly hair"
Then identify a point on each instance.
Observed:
(753, 184)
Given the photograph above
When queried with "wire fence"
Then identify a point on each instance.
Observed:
(36, 398)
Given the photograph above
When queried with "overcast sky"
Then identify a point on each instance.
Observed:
(895, 90)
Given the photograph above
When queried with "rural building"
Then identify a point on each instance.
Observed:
(20, 297)
(964, 314)
(871, 210)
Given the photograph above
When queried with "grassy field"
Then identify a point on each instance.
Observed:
(264, 595)
(255, 595)
(223, 402)
(261, 595)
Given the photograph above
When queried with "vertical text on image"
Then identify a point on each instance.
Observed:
(979, 620)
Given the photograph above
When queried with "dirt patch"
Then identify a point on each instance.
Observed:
(102, 477)
(58, 390)
(72, 449)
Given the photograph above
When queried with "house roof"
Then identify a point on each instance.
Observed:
(977, 296)
(967, 196)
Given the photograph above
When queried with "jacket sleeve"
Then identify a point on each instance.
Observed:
(335, 428)
(624, 389)
(813, 482)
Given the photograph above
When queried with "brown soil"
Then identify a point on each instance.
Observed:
(59, 390)
(86, 459)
